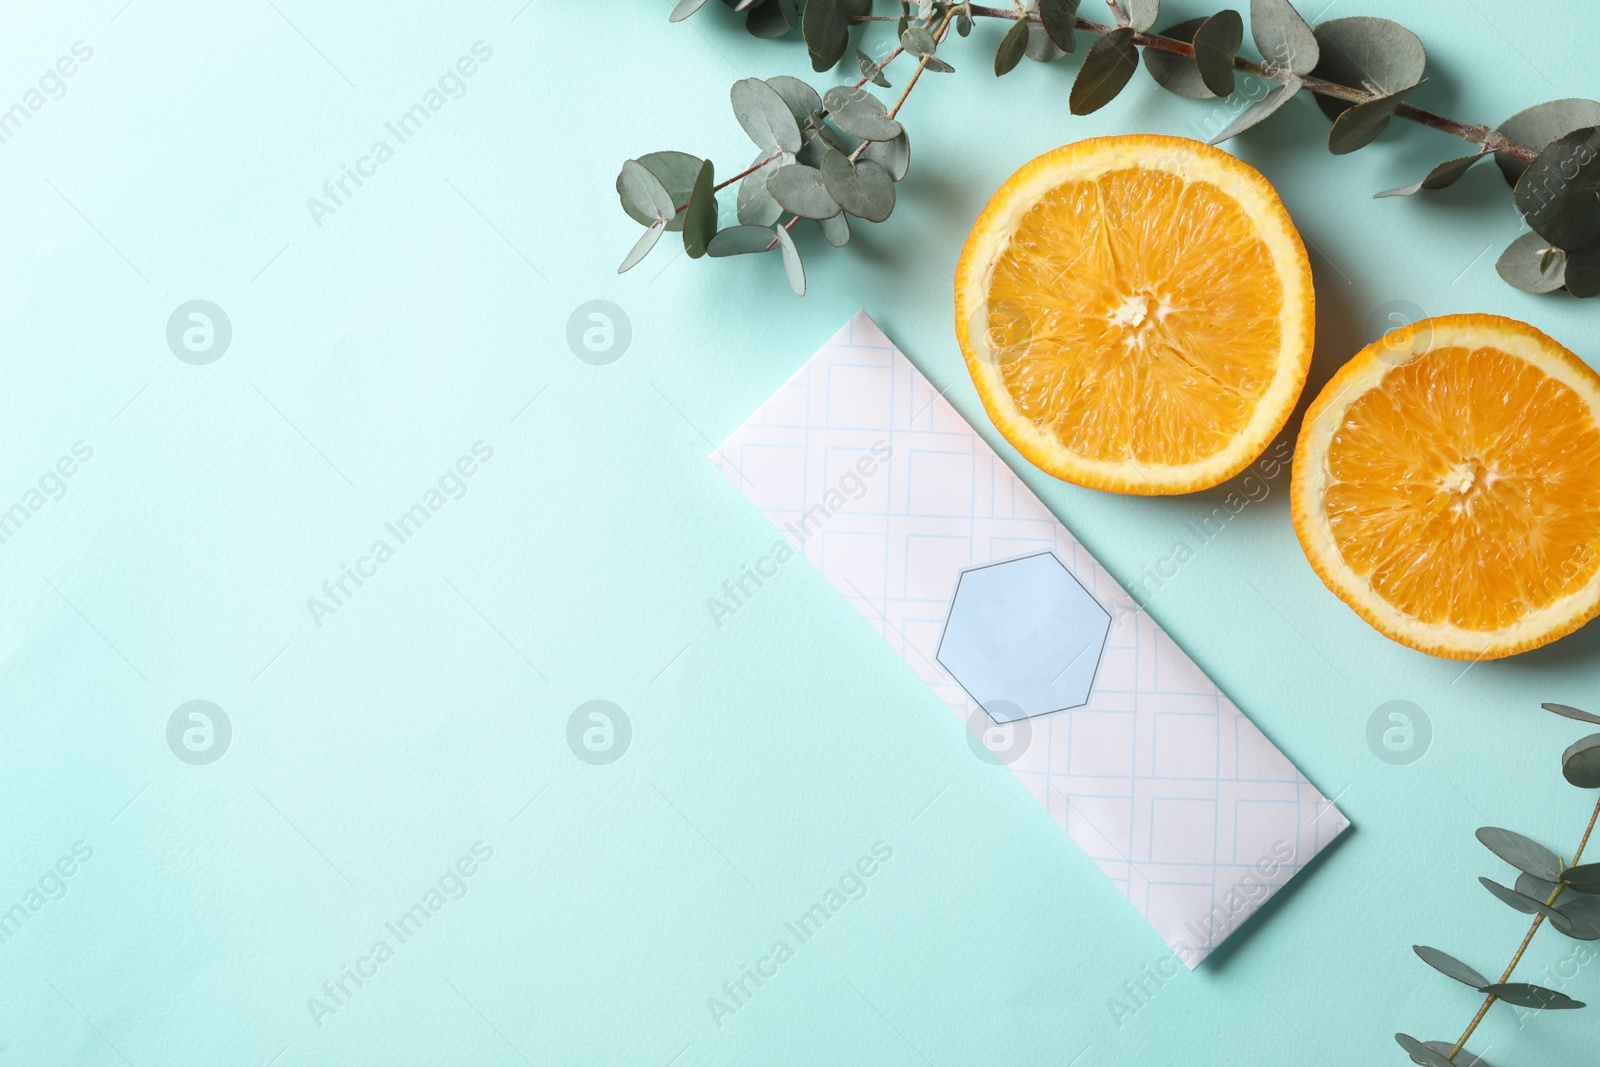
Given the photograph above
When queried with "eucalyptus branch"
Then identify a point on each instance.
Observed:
(841, 154)
(1544, 881)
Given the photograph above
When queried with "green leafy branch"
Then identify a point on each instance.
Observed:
(839, 155)
(1544, 882)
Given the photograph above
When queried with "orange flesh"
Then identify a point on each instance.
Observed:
(1137, 317)
(1466, 488)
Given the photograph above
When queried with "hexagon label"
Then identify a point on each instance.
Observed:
(1024, 638)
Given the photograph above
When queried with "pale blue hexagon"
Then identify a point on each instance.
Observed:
(1024, 637)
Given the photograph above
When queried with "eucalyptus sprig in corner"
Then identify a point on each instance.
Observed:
(1564, 893)
(830, 157)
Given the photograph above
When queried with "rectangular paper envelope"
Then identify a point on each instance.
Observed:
(1130, 747)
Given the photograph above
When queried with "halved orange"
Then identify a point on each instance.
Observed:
(1447, 487)
(1136, 313)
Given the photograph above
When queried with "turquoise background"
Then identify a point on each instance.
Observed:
(430, 712)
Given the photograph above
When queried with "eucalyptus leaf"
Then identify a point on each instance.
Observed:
(836, 230)
(642, 246)
(741, 240)
(1571, 712)
(918, 41)
(1371, 54)
(684, 8)
(893, 156)
(1583, 271)
(870, 70)
(1556, 194)
(825, 24)
(1533, 886)
(643, 195)
(860, 114)
(1421, 1053)
(1174, 73)
(800, 190)
(1537, 126)
(1443, 174)
(1012, 47)
(1526, 265)
(1358, 126)
(963, 22)
(937, 65)
(1040, 48)
(765, 116)
(1262, 109)
(1216, 43)
(677, 172)
(755, 204)
(803, 102)
(1059, 19)
(1282, 36)
(1463, 1058)
(862, 188)
(1107, 66)
(1523, 853)
(1520, 901)
(1527, 995)
(791, 262)
(1138, 15)
(1450, 967)
(1578, 916)
(1584, 878)
(700, 218)
(1580, 764)
(768, 21)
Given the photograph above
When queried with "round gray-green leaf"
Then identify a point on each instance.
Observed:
(755, 205)
(803, 101)
(800, 190)
(677, 172)
(1520, 901)
(1282, 36)
(1450, 967)
(791, 262)
(870, 70)
(642, 246)
(860, 114)
(1012, 47)
(1583, 271)
(1060, 21)
(1174, 73)
(918, 41)
(765, 116)
(1216, 42)
(768, 21)
(1581, 763)
(1106, 69)
(863, 188)
(1556, 194)
(1578, 916)
(1138, 15)
(1584, 878)
(937, 65)
(893, 156)
(1421, 1053)
(1358, 126)
(700, 217)
(741, 241)
(1366, 53)
(1540, 124)
(1040, 48)
(1526, 265)
(1527, 995)
(643, 195)
(825, 24)
(1262, 109)
(1569, 712)
(1523, 853)
(684, 8)
(1442, 175)
(836, 230)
